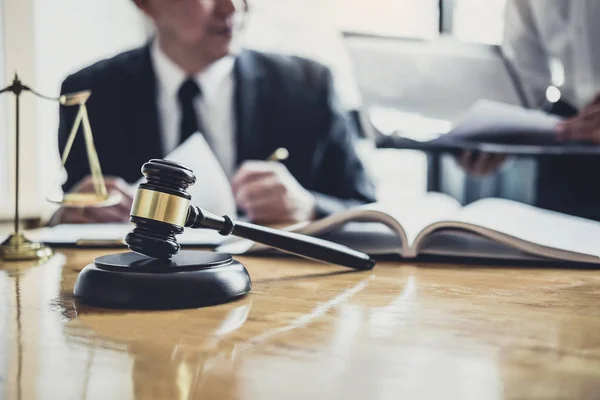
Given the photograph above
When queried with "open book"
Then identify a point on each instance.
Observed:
(437, 225)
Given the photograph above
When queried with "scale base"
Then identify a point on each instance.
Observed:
(18, 248)
(190, 279)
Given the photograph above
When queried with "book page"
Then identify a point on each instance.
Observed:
(460, 243)
(537, 231)
(362, 228)
(416, 214)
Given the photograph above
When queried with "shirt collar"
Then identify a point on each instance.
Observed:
(170, 76)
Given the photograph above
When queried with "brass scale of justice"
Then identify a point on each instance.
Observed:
(17, 247)
(155, 274)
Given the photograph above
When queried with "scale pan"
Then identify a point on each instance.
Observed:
(73, 99)
(81, 200)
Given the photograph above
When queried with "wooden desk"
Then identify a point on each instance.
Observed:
(310, 331)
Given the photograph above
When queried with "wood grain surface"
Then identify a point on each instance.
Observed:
(310, 331)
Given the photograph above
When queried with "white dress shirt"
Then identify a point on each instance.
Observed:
(214, 107)
(555, 42)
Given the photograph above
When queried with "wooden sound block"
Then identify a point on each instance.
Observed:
(189, 279)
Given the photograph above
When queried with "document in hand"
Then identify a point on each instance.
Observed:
(113, 235)
(494, 127)
(436, 225)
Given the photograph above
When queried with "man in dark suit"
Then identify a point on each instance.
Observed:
(190, 77)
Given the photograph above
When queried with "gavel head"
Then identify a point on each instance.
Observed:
(160, 209)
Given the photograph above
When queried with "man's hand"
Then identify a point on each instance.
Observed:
(584, 127)
(116, 213)
(481, 164)
(268, 193)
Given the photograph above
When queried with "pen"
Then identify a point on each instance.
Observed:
(279, 155)
(100, 242)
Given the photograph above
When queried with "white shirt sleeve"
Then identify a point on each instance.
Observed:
(524, 49)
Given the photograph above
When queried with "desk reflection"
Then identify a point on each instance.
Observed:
(309, 330)
(173, 352)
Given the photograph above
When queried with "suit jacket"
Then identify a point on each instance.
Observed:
(280, 101)
(567, 183)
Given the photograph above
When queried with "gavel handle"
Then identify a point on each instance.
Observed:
(302, 245)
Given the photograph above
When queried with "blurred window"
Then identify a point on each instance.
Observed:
(397, 18)
(46, 40)
(479, 21)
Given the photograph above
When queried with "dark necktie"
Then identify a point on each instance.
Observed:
(190, 122)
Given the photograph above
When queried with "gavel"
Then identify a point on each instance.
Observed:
(162, 209)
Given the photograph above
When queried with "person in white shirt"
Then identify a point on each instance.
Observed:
(554, 44)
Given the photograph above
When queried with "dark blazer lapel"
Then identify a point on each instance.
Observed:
(145, 119)
(250, 95)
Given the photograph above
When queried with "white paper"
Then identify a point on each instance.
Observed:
(212, 190)
(415, 214)
(490, 118)
(98, 234)
(535, 225)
